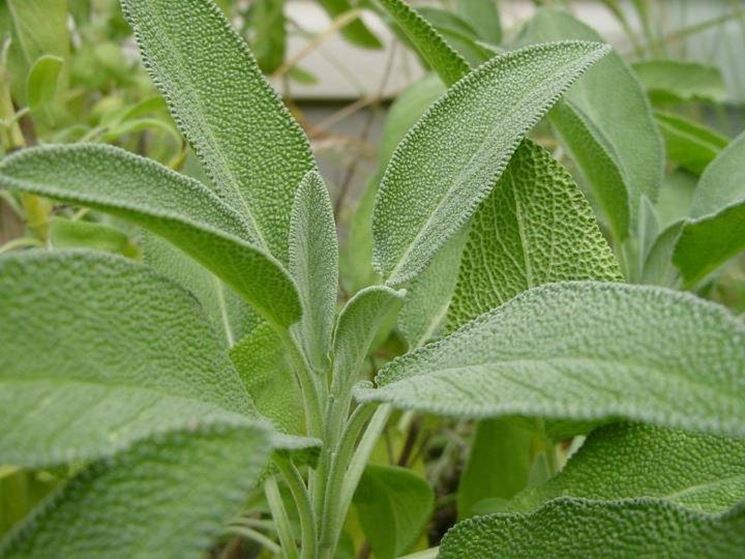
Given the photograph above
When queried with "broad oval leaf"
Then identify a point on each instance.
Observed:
(717, 229)
(167, 497)
(607, 530)
(451, 159)
(622, 461)
(583, 351)
(535, 227)
(253, 150)
(174, 206)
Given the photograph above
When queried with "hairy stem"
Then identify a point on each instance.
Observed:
(279, 514)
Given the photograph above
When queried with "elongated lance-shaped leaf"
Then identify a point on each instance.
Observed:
(174, 206)
(597, 529)
(356, 32)
(168, 496)
(717, 229)
(608, 114)
(535, 227)
(689, 144)
(252, 148)
(451, 159)
(584, 351)
(314, 265)
(483, 15)
(98, 351)
(677, 81)
(621, 461)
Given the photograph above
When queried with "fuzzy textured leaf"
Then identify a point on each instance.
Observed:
(583, 351)
(425, 197)
(174, 206)
(589, 529)
(253, 150)
(165, 497)
(621, 461)
(535, 227)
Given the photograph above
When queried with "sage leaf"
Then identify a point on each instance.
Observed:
(269, 43)
(314, 265)
(483, 15)
(717, 212)
(69, 233)
(356, 32)
(168, 496)
(583, 528)
(176, 207)
(584, 351)
(393, 505)
(535, 227)
(425, 198)
(702, 472)
(41, 85)
(678, 81)
(689, 144)
(251, 147)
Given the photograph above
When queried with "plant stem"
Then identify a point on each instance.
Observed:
(258, 537)
(279, 514)
(300, 495)
(430, 553)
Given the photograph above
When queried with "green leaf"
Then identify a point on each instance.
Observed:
(174, 206)
(621, 461)
(356, 32)
(393, 505)
(676, 195)
(483, 15)
(606, 114)
(535, 227)
(358, 324)
(457, 32)
(314, 265)
(615, 530)
(689, 144)
(451, 159)
(658, 266)
(715, 232)
(66, 233)
(678, 81)
(41, 85)
(499, 464)
(102, 352)
(253, 150)
(168, 496)
(584, 351)
(270, 35)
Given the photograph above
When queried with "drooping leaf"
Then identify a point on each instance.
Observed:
(174, 206)
(41, 85)
(358, 324)
(425, 197)
(535, 227)
(393, 505)
(716, 231)
(625, 461)
(611, 530)
(168, 496)
(689, 144)
(97, 352)
(268, 377)
(607, 113)
(253, 150)
(356, 32)
(270, 35)
(483, 15)
(584, 351)
(314, 265)
(677, 81)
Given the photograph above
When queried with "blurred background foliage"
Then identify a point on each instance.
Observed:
(70, 72)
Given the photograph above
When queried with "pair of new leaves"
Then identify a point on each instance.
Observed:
(272, 241)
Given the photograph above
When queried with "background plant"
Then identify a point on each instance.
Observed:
(264, 270)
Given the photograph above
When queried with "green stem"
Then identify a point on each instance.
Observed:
(430, 553)
(308, 548)
(281, 521)
(258, 537)
(311, 384)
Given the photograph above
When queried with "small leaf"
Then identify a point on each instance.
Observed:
(621, 461)
(66, 233)
(583, 351)
(535, 227)
(425, 197)
(715, 232)
(689, 144)
(355, 32)
(41, 85)
(609, 530)
(270, 36)
(393, 505)
(457, 32)
(314, 265)
(176, 207)
(168, 496)
(253, 150)
(483, 15)
(677, 81)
